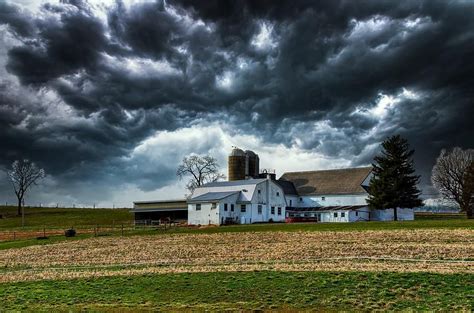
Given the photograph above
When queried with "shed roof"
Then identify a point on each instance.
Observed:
(160, 205)
(213, 196)
(327, 208)
(327, 182)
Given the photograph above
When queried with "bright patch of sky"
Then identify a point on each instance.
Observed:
(140, 67)
(264, 39)
(225, 81)
(368, 28)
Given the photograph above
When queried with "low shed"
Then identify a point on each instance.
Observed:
(348, 213)
(150, 212)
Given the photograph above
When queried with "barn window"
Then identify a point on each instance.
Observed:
(357, 213)
(278, 194)
(323, 198)
(301, 199)
(198, 207)
(343, 214)
(291, 203)
(259, 191)
(259, 209)
(232, 207)
(243, 208)
(279, 211)
(335, 214)
(213, 206)
(272, 210)
(225, 206)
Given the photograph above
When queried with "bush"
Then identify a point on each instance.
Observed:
(70, 233)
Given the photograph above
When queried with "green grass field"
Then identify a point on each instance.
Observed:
(237, 291)
(62, 217)
(276, 291)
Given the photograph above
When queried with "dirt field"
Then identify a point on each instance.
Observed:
(438, 251)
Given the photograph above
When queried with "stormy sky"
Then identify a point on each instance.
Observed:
(108, 96)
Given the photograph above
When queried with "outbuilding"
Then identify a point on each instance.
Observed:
(152, 212)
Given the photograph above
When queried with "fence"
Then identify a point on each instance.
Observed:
(91, 230)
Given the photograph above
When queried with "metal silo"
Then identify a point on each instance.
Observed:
(237, 164)
(253, 165)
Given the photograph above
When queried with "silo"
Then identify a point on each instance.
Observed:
(252, 164)
(237, 164)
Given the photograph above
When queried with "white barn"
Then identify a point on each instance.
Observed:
(241, 201)
(338, 195)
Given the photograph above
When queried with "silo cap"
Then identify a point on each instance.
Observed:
(250, 152)
(237, 152)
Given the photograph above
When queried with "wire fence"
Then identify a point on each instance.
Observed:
(91, 230)
(66, 205)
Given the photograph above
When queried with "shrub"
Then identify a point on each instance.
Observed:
(70, 233)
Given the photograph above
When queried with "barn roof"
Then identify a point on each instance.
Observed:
(287, 186)
(234, 183)
(213, 196)
(327, 182)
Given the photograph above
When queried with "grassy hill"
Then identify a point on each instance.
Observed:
(62, 217)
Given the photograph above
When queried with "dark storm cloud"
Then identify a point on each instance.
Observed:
(19, 21)
(65, 46)
(312, 82)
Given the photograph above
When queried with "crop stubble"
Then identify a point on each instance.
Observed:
(440, 251)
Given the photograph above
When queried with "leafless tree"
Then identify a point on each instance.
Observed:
(200, 169)
(449, 177)
(23, 175)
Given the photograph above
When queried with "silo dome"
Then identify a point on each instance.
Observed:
(237, 152)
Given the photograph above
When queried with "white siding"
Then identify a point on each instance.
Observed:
(276, 199)
(329, 216)
(231, 200)
(332, 200)
(361, 215)
(291, 200)
(205, 216)
(387, 215)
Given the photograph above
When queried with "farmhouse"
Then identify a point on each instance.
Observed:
(254, 196)
(241, 201)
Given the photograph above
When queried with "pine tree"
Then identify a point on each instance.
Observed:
(394, 184)
(468, 190)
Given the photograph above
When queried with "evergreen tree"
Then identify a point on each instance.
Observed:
(468, 190)
(394, 184)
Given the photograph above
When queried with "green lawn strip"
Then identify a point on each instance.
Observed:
(246, 291)
(36, 217)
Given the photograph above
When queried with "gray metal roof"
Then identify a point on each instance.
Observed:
(234, 182)
(161, 201)
(213, 196)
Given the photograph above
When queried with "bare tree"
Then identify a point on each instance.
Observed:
(449, 177)
(23, 175)
(201, 169)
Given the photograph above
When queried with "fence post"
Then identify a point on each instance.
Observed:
(122, 230)
(44, 231)
(14, 235)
